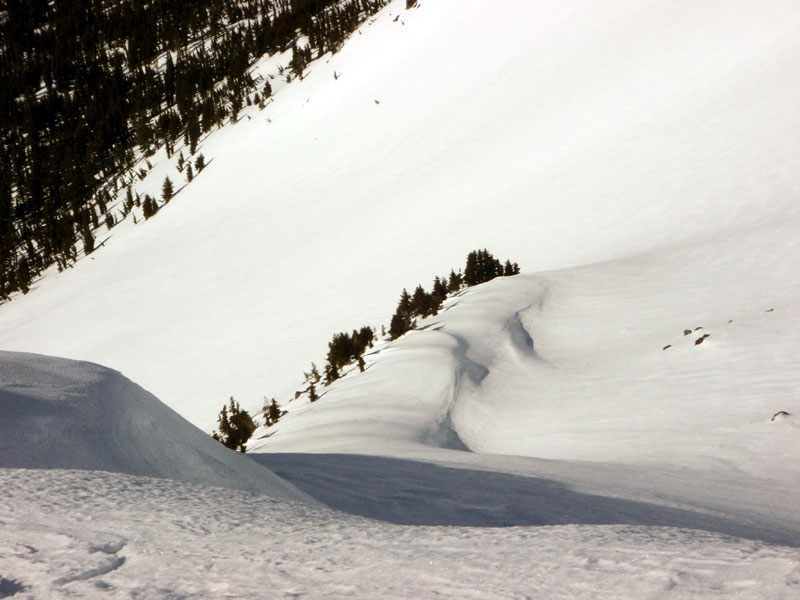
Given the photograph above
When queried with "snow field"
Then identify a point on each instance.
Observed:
(91, 534)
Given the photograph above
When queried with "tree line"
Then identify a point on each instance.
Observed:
(90, 86)
(236, 424)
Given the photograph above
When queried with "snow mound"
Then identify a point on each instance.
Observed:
(63, 414)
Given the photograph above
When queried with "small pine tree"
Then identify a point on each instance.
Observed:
(199, 163)
(439, 292)
(149, 207)
(420, 303)
(236, 426)
(455, 282)
(401, 321)
(167, 190)
(271, 412)
(471, 274)
(189, 173)
(312, 379)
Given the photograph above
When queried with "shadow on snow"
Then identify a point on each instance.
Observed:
(409, 492)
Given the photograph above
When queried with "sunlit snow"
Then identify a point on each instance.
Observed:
(556, 434)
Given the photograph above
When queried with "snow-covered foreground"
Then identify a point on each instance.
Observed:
(477, 526)
(92, 534)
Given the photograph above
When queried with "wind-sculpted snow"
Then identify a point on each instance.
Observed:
(67, 534)
(62, 414)
(569, 367)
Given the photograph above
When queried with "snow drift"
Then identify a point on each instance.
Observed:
(62, 414)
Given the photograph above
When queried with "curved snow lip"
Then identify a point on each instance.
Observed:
(63, 414)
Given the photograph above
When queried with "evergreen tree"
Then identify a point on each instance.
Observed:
(421, 303)
(86, 233)
(455, 282)
(167, 190)
(271, 413)
(471, 274)
(235, 426)
(149, 207)
(401, 320)
(312, 379)
(439, 292)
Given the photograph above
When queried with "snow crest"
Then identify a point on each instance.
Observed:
(62, 414)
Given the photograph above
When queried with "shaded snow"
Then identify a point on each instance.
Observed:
(102, 535)
(62, 414)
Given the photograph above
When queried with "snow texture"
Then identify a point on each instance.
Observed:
(66, 534)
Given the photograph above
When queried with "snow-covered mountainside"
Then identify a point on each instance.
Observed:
(62, 414)
(555, 134)
(620, 420)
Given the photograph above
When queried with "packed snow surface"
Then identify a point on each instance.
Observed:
(67, 534)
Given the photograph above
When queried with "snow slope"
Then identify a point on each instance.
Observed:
(561, 378)
(61, 414)
(640, 163)
(556, 134)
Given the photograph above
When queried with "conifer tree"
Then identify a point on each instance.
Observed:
(235, 426)
(271, 413)
(312, 379)
(167, 190)
(401, 320)
(149, 207)
(455, 282)
(420, 303)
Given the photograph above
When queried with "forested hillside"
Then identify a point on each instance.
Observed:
(89, 87)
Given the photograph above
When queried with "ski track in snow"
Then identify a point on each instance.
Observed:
(92, 534)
